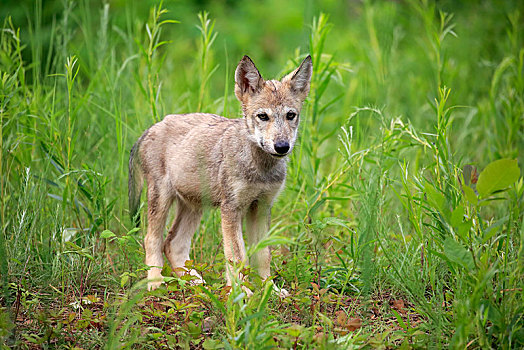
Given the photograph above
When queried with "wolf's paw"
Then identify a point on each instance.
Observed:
(245, 289)
(152, 285)
(248, 291)
(197, 280)
(281, 292)
(154, 278)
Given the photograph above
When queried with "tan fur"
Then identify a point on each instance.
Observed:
(199, 160)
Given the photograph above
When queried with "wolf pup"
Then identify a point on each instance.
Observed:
(238, 165)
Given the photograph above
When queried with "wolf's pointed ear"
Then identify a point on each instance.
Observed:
(299, 80)
(247, 78)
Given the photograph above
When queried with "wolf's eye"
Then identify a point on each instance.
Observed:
(263, 116)
(291, 115)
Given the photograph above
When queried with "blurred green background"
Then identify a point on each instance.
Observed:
(406, 98)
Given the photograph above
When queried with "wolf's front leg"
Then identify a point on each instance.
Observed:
(234, 249)
(258, 220)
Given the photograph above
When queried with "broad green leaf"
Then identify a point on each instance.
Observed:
(133, 230)
(124, 280)
(457, 216)
(333, 221)
(273, 240)
(169, 279)
(193, 329)
(497, 176)
(463, 229)
(493, 229)
(470, 195)
(457, 253)
(436, 199)
(212, 344)
(325, 320)
(294, 330)
(107, 234)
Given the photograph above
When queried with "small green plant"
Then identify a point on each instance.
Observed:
(149, 51)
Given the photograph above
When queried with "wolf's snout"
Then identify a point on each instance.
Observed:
(281, 147)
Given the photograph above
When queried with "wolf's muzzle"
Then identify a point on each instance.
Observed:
(282, 147)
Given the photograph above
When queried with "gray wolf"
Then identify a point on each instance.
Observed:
(238, 165)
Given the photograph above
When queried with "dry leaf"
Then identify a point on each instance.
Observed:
(341, 319)
(284, 251)
(399, 305)
(354, 324)
(343, 322)
(209, 323)
(320, 337)
(474, 176)
(375, 312)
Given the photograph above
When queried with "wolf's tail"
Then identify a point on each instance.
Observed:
(136, 183)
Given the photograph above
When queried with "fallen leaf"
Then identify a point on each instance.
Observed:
(341, 331)
(209, 323)
(341, 319)
(343, 322)
(399, 305)
(375, 312)
(354, 324)
(474, 176)
(320, 338)
(284, 251)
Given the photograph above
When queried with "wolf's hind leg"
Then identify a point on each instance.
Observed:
(178, 241)
(158, 203)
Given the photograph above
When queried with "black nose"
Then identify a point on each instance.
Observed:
(281, 147)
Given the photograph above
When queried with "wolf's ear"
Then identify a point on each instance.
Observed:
(299, 80)
(247, 78)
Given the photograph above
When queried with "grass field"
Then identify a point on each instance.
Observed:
(402, 220)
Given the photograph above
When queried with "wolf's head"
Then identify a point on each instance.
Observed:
(272, 107)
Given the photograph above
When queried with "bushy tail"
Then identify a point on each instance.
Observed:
(136, 182)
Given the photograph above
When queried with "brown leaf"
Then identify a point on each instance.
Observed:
(341, 319)
(341, 331)
(375, 312)
(209, 323)
(354, 324)
(470, 174)
(284, 251)
(474, 176)
(399, 305)
(320, 337)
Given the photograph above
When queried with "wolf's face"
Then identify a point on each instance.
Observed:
(272, 108)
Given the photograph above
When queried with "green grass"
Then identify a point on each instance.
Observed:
(401, 223)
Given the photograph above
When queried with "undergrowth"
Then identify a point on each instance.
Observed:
(401, 224)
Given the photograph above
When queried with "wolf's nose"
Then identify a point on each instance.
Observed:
(281, 147)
